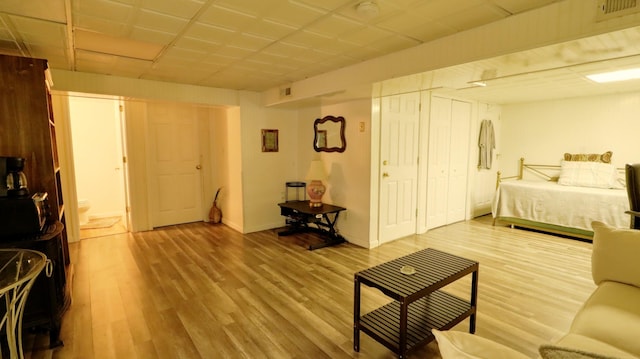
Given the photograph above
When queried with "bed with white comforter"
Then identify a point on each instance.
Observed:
(584, 192)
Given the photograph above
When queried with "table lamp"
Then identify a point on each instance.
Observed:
(315, 188)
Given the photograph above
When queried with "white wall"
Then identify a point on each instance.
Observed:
(542, 132)
(348, 184)
(264, 174)
(226, 165)
(97, 149)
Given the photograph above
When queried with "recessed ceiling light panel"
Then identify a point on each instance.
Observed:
(614, 76)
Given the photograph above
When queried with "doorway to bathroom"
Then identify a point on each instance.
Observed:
(98, 154)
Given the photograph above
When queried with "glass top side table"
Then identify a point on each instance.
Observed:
(19, 269)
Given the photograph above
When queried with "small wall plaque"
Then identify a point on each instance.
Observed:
(269, 140)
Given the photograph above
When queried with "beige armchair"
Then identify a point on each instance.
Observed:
(606, 326)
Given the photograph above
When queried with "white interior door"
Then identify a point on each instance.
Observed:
(176, 191)
(438, 161)
(399, 130)
(458, 161)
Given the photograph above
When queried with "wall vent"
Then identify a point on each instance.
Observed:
(285, 92)
(608, 9)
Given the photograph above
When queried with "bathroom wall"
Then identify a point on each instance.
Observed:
(97, 152)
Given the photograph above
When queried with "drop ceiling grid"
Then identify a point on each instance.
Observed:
(260, 44)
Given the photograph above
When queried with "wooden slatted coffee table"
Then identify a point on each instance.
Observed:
(418, 305)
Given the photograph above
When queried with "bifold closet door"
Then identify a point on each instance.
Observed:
(458, 161)
(449, 125)
(438, 161)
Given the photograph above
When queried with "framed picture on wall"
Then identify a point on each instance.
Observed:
(269, 140)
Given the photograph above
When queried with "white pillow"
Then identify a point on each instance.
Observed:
(461, 345)
(588, 174)
(615, 254)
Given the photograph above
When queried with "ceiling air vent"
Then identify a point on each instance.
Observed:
(285, 92)
(608, 9)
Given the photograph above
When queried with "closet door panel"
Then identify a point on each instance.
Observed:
(458, 161)
(438, 162)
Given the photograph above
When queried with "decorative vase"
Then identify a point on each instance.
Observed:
(315, 190)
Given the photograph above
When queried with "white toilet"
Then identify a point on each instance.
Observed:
(83, 211)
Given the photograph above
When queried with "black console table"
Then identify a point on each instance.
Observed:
(415, 279)
(299, 215)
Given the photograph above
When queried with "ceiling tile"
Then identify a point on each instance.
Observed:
(252, 42)
(393, 43)
(253, 8)
(365, 36)
(293, 14)
(116, 46)
(218, 61)
(197, 44)
(227, 18)
(429, 31)
(327, 4)
(404, 23)
(10, 47)
(234, 52)
(102, 25)
(83, 56)
(161, 22)
(335, 26)
(185, 9)
(177, 55)
(51, 10)
(103, 9)
(41, 32)
(309, 39)
(269, 29)
(211, 33)
(285, 49)
(151, 36)
(472, 17)
(363, 53)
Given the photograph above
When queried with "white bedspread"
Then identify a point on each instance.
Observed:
(568, 206)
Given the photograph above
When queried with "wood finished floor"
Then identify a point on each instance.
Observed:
(206, 291)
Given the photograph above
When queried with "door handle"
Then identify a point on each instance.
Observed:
(198, 167)
(385, 174)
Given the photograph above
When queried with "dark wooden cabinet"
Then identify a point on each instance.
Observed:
(27, 129)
